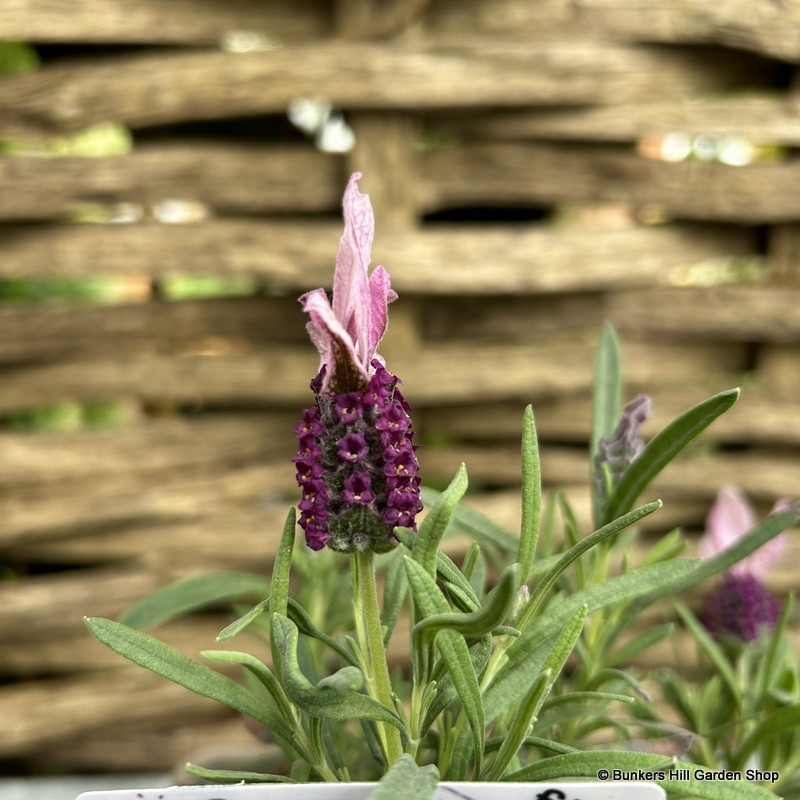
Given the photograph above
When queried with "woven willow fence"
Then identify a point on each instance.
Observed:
(536, 169)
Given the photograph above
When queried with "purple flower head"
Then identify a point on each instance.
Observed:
(740, 605)
(356, 461)
(347, 330)
(617, 451)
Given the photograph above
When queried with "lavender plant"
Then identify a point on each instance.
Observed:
(486, 696)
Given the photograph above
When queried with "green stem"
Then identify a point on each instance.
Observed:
(370, 639)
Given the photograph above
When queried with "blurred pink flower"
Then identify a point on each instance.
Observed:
(740, 605)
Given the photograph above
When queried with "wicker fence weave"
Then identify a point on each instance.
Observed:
(518, 158)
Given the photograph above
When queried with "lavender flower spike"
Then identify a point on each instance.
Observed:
(356, 461)
(618, 450)
(740, 605)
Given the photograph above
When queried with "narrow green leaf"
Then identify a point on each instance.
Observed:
(148, 652)
(548, 581)
(192, 594)
(587, 764)
(454, 650)
(607, 388)
(426, 543)
(579, 697)
(532, 741)
(666, 548)
(771, 662)
(447, 571)
(300, 617)
(712, 650)
(639, 643)
(456, 583)
(470, 562)
(407, 781)
(235, 776)
(572, 535)
(519, 727)
(606, 406)
(662, 448)
(531, 496)
(265, 677)
(237, 626)
(496, 607)
(323, 702)
(446, 692)
(778, 721)
(610, 592)
(749, 543)
(395, 589)
(564, 645)
(279, 596)
(479, 573)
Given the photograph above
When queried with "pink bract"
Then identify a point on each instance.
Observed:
(347, 330)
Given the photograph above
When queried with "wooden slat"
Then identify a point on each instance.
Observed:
(232, 177)
(177, 443)
(761, 25)
(216, 740)
(516, 173)
(56, 331)
(449, 260)
(192, 22)
(232, 498)
(745, 312)
(779, 368)
(758, 118)
(74, 649)
(280, 375)
(41, 606)
(41, 714)
(215, 85)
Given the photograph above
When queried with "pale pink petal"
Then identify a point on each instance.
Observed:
(335, 345)
(351, 299)
(729, 518)
(380, 295)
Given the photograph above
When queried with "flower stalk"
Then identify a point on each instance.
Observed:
(370, 639)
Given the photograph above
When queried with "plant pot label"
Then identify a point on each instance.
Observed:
(623, 790)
